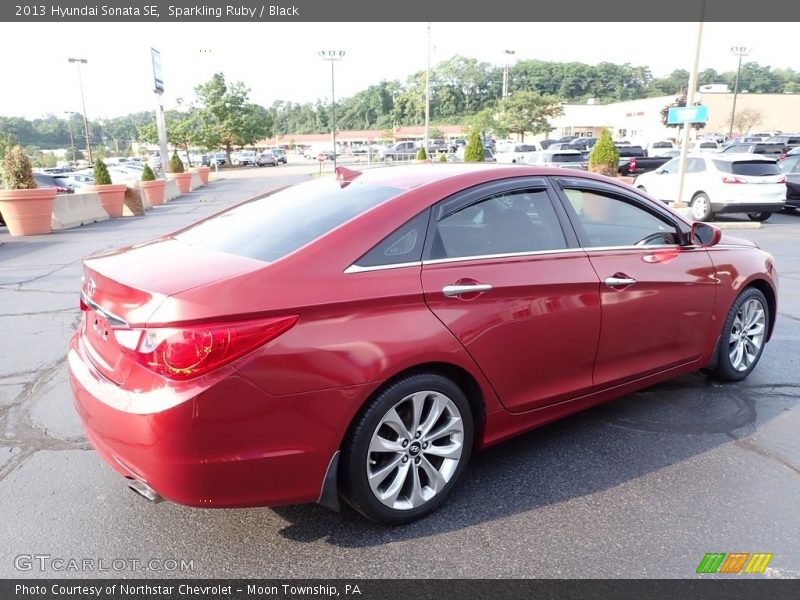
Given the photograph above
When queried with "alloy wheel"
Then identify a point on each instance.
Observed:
(747, 334)
(415, 450)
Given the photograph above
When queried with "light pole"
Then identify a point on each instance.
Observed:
(79, 62)
(71, 137)
(332, 56)
(739, 51)
(508, 53)
(428, 93)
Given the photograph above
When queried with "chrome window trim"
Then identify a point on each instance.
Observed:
(358, 269)
(112, 319)
(437, 261)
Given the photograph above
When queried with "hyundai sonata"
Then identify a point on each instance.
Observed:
(359, 338)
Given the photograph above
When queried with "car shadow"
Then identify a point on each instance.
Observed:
(587, 453)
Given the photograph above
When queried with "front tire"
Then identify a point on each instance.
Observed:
(760, 217)
(405, 453)
(701, 208)
(743, 336)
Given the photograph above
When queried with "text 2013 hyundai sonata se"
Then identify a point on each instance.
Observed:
(360, 337)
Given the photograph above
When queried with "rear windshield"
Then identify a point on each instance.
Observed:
(769, 149)
(662, 145)
(748, 167)
(270, 228)
(630, 151)
(567, 158)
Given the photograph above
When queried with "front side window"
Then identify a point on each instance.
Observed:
(609, 221)
(505, 223)
(671, 167)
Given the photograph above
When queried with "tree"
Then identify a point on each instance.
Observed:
(486, 122)
(227, 119)
(529, 112)
(7, 140)
(474, 150)
(184, 129)
(435, 133)
(101, 174)
(746, 119)
(604, 158)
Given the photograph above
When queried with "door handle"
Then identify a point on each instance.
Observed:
(618, 281)
(468, 288)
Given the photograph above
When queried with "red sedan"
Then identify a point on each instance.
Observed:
(359, 338)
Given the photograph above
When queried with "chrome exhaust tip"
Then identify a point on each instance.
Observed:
(144, 490)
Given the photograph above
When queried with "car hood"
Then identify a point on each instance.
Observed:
(730, 240)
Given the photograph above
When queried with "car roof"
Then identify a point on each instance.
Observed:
(732, 156)
(412, 176)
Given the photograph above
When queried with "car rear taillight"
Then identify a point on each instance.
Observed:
(729, 179)
(632, 165)
(782, 180)
(182, 353)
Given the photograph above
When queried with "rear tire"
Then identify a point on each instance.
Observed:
(701, 208)
(760, 217)
(743, 336)
(407, 450)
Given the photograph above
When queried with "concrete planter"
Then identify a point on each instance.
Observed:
(28, 212)
(184, 181)
(154, 191)
(203, 172)
(112, 197)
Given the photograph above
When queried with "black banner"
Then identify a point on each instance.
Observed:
(176, 11)
(422, 589)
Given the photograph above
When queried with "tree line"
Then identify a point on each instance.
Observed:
(463, 91)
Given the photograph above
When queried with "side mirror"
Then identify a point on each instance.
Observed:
(705, 235)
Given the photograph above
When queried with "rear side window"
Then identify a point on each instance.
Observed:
(769, 149)
(404, 245)
(270, 228)
(752, 168)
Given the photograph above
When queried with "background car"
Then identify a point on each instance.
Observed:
(721, 183)
(47, 180)
(267, 158)
(280, 154)
(244, 158)
(766, 148)
(375, 329)
(790, 167)
(570, 159)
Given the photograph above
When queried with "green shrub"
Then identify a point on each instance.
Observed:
(147, 174)
(442, 157)
(604, 158)
(175, 163)
(474, 150)
(101, 175)
(421, 154)
(17, 173)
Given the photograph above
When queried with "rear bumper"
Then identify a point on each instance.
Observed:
(229, 445)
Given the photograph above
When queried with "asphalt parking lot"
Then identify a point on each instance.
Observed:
(643, 486)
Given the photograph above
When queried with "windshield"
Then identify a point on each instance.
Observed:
(752, 168)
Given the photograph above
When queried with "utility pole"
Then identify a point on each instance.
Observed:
(79, 62)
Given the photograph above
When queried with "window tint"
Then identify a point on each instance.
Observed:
(610, 221)
(671, 166)
(272, 227)
(404, 245)
(661, 145)
(567, 158)
(695, 165)
(749, 167)
(518, 221)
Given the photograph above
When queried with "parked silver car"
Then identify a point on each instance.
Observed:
(570, 159)
(267, 158)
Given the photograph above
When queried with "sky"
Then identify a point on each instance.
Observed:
(281, 61)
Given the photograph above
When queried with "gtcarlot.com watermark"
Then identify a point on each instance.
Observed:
(58, 564)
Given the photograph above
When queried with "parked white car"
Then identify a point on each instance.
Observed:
(721, 183)
(513, 153)
(661, 148)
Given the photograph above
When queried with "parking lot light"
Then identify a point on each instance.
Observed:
(739, 51)
(79, 62)
(332, 56)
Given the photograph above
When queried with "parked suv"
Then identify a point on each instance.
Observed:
(280, 155)
(721, 183)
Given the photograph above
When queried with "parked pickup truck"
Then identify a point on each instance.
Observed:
(632, 161)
